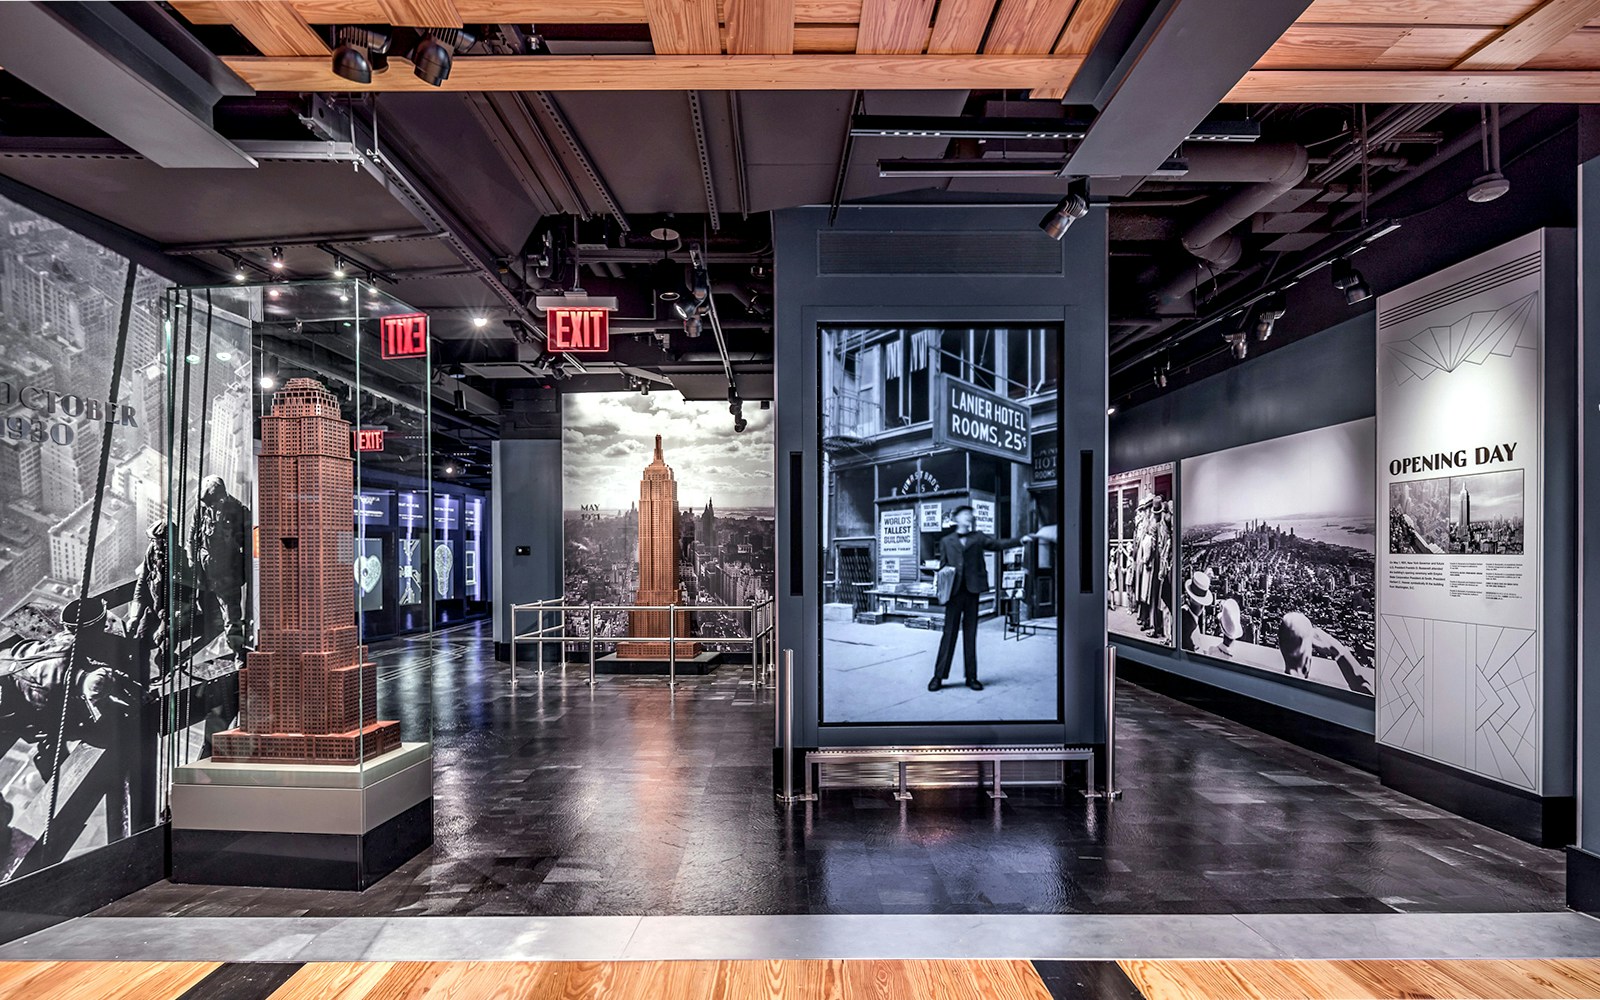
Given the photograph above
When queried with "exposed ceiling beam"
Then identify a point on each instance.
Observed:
(1543, 27)
(1417, 87)
(1193, 54)
(760, 27)
(683, 27)
(497, 11)
(420, 13)
(795, 72)
(98, 63)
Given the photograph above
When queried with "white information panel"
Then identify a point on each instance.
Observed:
(1459, 499)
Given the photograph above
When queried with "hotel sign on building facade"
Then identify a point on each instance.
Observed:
(973, 419)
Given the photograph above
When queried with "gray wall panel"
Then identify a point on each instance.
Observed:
(527, 511)
(1315, 382)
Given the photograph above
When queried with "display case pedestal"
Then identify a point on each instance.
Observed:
(305, 826)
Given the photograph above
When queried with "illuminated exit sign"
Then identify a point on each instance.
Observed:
(369, 439)
(404, 336)
(575, 330)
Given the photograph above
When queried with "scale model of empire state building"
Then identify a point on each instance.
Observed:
(307, 694)
(658, 567)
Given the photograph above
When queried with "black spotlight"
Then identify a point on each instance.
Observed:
(1240, 342)
(1349, 281)
(1067, 211)
(435, 51)
(360, 53)
(1268, 313)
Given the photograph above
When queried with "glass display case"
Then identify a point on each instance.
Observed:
(297, 531)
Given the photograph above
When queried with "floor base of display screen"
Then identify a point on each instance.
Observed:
(689, 666)
(301, 860)
(1545, 821)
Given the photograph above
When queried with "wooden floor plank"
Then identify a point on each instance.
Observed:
(1547, 979)
(109, 980)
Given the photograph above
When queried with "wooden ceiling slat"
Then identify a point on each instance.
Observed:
(1579, 50)
(1542, 28)
(421, 13)
(713, 72)
(1330, 46)
(760, 27)
(1312, 86)
(1458, 12)
(1432, 48)
(894, 27)
(825, 37)
(1027, 27)
(683, 27)
(276, 29)
(959, 26)
(827, 11)
(1084, 28)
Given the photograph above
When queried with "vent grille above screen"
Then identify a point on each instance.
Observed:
(842, 252)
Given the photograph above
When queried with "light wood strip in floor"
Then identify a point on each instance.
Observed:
(101, 980)
(812, 980)
(1521, 979)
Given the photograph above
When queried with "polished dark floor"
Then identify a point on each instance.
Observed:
(555, 800)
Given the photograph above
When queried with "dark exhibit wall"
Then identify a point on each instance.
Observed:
(82, 488)
(1317, 382)
(943, 411)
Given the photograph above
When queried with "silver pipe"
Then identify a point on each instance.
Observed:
(672, 648)
(1110, 790)
(788, 726)
(591, 645)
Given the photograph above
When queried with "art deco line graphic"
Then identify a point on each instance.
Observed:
(308, 693)
(1502, 679)
(1472, 339)
(658, 565)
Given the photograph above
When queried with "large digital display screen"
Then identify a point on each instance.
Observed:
(939, 530)
(1279, 549)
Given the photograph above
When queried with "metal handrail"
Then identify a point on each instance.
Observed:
(763, 628)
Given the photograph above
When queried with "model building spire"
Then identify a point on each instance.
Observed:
(658, 566)
(307, 694)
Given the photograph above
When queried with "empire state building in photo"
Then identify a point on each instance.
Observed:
(658, 567)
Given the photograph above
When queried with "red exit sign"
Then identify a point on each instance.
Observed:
(578, 330)
(404, 336)
(369, 439)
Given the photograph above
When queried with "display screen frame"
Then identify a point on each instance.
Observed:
(1051, 328)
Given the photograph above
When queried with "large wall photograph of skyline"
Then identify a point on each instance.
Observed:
(726, 519)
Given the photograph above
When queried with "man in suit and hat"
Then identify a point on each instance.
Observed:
(1197, 596)
(1299, 640)
(1231, 621)
(963, 550)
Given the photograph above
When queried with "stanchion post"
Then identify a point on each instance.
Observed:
(591, 644)
(513, 646)
(1109, 790)
(785, 715)
(672, 647)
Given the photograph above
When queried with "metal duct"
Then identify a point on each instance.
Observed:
(1287, 163)
(1275, 167)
